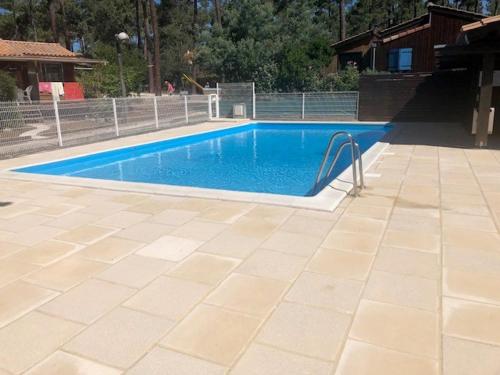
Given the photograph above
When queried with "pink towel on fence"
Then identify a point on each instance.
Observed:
(45, 87)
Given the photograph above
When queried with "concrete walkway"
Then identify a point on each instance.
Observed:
(402, 280)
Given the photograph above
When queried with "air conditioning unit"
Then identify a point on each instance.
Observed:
(239, 110)
(491, 120)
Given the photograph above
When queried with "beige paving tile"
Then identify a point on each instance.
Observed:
(45, 252)
(86, 234)
(366, 243)
(472, 286)
(357, 224)
(212, 333)
(226, 212)
(261, 359)
(135, 271)
(153, 205)
(66, 273)
(402, 290)
(170, 248)
(19, 298)
(362, 358)
(325, 291)
(34, 235)
(11, 270)
(88, 301)
(204, 268)
(481, 223)
(373, 212)
(168, 297)
(292, 243)
(307, 225)
(231, 245)
(273, 264)
(145, 232)
(273, 214)
(128, 198)
(21, 222)
(473, 321)
(463, 357)
(123, 219)
(248, 294)
(407, 262)
(16, 209)
(253, 227)
(38, 335)
(412, 240)
(306, 330)
(396, 327)
(102, 207)
(471, 239)
(341, 264)
(162, 361)
(413, 223)
(120, 338)
(110, 249)
(174, 217)
(199, 230)
(59, 209)
(8, 248)
(62, 363)
(72, 220)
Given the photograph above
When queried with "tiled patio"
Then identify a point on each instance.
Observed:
(402, 280)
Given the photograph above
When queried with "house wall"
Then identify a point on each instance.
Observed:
(429, 97)
(443, 30)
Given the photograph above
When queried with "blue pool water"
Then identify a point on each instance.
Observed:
(257, 157)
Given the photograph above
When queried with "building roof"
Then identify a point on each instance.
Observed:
(14, 50)
(410, 26)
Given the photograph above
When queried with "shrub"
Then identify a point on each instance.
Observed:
(8, 88)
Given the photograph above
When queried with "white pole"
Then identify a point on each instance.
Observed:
(115, 114)
(303, 105)
(157, 123)
(253, 99)
(217, 114)
(186, 109)
(58, 123)
(210, 107)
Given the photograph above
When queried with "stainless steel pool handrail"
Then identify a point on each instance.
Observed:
(355, 155)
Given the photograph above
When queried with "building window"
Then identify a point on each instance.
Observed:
(350, 58)
(53, 72)
(400, 59)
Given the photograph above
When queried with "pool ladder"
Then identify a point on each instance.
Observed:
(355, 155)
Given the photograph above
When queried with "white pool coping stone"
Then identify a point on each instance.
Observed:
(326, 200)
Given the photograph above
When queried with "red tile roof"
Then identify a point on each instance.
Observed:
(14, 48)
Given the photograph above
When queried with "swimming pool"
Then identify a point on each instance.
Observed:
(276, 158)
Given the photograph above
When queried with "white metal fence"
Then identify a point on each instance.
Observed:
(27, 128)
(335, 105)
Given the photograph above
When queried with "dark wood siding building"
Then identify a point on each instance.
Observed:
(407, 47)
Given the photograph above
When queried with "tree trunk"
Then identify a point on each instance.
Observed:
(342, 25)
(32, 19)
(138, 24)
(156, 36)
(147, 47)
(53, 20)
(218, 13)
(194, 71)
(67, 36)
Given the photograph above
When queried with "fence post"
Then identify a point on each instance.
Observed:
(253, 100)
(357, 105)
(210, 107)
(157, 123)
(115, 115)
(58, 123)
(186, 109)
(303, 105)
(217, 114)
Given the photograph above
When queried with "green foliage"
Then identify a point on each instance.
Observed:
(8, 88)
(104, 79)
(345, 80)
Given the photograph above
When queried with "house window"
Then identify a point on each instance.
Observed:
(400, 59)
(53, 72)
(350, 58)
